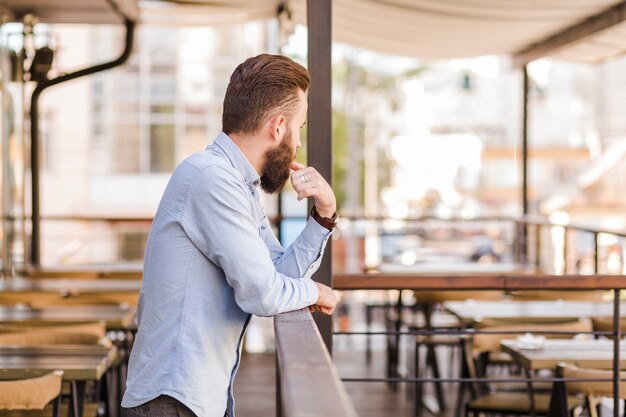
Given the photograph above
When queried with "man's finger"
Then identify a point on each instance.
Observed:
(296, 166)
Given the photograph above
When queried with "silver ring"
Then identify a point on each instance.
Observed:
(303, 178)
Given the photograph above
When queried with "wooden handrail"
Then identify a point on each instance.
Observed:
(309, 384)
(482, 281)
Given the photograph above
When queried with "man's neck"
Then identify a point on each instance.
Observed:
(251, 148)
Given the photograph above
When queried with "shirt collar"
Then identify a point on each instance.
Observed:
(238, 159)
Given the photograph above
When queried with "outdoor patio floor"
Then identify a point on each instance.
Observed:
(255, 389)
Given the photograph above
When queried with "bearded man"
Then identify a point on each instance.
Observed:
(212, 260)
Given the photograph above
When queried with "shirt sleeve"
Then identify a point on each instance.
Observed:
(218, 220)
(304, 256)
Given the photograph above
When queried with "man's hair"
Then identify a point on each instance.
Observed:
(260, 86)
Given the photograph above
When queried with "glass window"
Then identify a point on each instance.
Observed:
(193, 140)
(162, 148)
(162, 108)
(125, 149)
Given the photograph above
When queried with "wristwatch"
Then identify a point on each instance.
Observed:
(327, 222)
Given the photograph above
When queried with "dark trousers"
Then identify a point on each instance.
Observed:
(162, 406)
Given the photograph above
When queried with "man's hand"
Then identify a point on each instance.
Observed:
(326, 300)
(309, 183)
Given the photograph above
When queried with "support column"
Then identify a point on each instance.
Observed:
(524, 236)
(525, 142)
(319, 140)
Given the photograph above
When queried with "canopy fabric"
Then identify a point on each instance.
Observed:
(207, 12)
(607, 44)
(71, 11)
(428, 29)
(454, 28)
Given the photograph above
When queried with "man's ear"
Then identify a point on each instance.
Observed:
(278, 127)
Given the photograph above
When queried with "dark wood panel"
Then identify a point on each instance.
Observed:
(319, 131)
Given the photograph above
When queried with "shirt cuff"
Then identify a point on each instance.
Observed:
(312, 292)
(315, 234)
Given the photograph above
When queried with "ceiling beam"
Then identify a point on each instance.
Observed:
(592, 25)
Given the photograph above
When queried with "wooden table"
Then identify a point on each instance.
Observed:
(582, 353)
(132, 270)
(49, 291)
(116, 317)
(476, 311)
(68, 285)
(79, 363)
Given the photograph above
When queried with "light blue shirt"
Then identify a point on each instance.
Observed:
(211, 261)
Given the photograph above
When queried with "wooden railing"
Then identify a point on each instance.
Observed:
(474, 283)
(482, 281)
(308, 381)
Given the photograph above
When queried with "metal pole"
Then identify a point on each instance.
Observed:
(616, 356)
(537, 247)
(35, 253)
(525, 159)
(596, 263)
(565, 229)
(319, 134)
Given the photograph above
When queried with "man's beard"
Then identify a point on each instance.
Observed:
(276, 169)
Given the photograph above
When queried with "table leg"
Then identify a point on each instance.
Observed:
(78, 399)
(558, 400)
(56, 407)
(368, 341)
(418, 405)
(434, 364)
(110, 391)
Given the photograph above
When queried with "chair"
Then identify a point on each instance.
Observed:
(590, 389)
(432, 321)
(478, 352)
(28, 395)
(605, 324)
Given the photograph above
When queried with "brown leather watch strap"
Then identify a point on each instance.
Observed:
(327, 222)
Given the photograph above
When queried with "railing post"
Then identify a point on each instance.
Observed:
(537, 247)
(616, 353)
(565, 230)
(518, 241)
(279, 397)
(596, 262)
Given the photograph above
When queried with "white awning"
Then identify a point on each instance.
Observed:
(420, 28)
(454, 28)
(72, 11)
